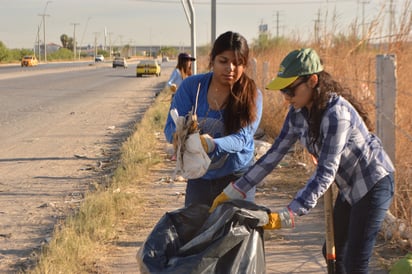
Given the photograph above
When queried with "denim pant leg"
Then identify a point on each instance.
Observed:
(357, 226)
(365, 222)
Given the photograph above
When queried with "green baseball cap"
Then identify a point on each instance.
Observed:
(297, 63)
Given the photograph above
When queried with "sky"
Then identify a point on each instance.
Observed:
(164, 22)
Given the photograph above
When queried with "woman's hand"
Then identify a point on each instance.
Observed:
(173, 88)
(207, 143)
(283, 218)
(229, 193)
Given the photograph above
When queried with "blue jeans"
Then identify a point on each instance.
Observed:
(201, 191)
(357, 226)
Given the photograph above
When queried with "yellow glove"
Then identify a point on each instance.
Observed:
(281, 219)
(173, 88)
(207, 143)
(221, 198)
(229, 193)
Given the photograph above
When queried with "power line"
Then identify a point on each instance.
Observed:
(249, 3)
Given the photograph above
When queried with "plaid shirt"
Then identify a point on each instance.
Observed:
(347, 153)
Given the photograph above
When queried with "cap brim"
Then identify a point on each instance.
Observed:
(280, 83)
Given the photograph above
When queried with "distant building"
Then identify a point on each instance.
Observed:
(51, 47)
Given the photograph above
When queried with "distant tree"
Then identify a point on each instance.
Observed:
(61, 54)
(103, 52)
(65, 40)
(4, 52)
(17, 54)
(70, 42)
(24, 52)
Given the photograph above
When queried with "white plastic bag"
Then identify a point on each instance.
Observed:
(192, 161)
(195, 160)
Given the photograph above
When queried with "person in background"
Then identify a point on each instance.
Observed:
(183, 69)
(229, 109)
(336, 130)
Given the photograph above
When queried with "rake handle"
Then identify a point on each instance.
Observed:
(330, 240)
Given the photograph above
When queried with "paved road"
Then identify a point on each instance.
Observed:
(58, 127)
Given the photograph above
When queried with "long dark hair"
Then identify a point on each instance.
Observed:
(321, 95)
(241, 108)
(182, 66)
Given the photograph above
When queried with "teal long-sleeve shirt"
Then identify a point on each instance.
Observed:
(234, 153)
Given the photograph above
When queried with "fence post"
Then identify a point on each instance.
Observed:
(265, 73)
(386, 102)
(253, 66)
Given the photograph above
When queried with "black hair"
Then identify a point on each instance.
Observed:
(322, 92)
(241, 108)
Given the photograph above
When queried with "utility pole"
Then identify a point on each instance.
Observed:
(38, 42)
(95, 44)
(43, 15)
(105, 37)
(74, 40)
(110, 44)
(44, 35)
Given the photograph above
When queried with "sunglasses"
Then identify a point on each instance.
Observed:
(290, 91)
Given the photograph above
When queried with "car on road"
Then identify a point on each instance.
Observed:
(99, 58)
(29, 61)
(148, 67)
(119, 62)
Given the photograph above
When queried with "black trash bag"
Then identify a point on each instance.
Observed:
(190, 240)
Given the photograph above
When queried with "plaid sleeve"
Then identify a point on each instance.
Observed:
(272, 157)
(336, 128)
